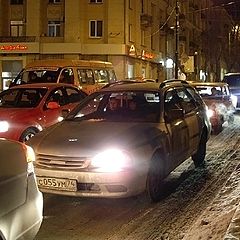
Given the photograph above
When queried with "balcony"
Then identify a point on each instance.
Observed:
(146, 20)
(17, 39)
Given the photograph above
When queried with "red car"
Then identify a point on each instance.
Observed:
(27, 109)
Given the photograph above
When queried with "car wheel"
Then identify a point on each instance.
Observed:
(154, 179)
(199, 156)
(27, 134)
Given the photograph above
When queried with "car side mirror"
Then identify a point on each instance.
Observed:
(175, 113)
(53, 105)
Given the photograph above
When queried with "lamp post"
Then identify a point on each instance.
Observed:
(176, 38)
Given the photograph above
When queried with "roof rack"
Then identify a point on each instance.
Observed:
(172, 80)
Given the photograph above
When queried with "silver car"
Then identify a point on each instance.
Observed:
(123, 140)
(21, 203)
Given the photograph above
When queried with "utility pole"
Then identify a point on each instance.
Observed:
(177, 38)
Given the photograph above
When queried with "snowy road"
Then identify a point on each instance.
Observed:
(199, 204)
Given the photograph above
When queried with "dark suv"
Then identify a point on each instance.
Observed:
(123, 140)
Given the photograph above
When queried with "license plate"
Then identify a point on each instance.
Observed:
(57, 183)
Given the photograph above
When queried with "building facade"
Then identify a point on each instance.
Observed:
(137, 36)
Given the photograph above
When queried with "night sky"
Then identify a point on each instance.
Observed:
(233, 7)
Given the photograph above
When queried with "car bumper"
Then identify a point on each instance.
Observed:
(95, 184)
(27, 218)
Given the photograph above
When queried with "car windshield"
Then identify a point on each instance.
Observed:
(21, 98)
(143, 106)
(232, 80)
(39, 75)
(211, 91)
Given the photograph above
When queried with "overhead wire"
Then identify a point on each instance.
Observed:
(199, 10)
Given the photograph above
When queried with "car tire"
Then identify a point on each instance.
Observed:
(27, 134)
(199, 157)
(154, 179)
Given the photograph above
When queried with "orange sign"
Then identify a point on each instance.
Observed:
(13, 47)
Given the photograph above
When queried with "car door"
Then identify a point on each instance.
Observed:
(66, 98)
(192, 118)
(177, 127)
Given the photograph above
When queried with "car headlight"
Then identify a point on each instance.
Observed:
(4, 126)
(210, 113)
(234, 100)
(111, 160)
(30, 156)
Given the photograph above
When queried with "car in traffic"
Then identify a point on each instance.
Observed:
(221, 105)
(233, 81)
(21, 202)
(123, 140)
(27, 109)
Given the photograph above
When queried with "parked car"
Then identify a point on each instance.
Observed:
(107, 148)
(21, 203)
(220, 104)
(27, 109)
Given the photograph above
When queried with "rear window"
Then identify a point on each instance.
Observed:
(232, 80)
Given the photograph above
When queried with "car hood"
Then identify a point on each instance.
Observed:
(92, 136)
(15, 113)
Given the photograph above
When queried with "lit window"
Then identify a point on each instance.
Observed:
(96, 1)
(95, 28)
(16, 2)
(54, 28)
(16, 28)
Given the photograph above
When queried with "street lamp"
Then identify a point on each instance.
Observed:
(177, 38)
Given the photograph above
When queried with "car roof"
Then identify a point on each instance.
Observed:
(232, 74)
(210, 84)
(43, 85)
(128, 85)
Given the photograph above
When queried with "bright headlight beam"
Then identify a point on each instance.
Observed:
(112, 160)
(210, 113)
(4, 126)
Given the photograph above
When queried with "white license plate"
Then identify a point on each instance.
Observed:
(57, 183)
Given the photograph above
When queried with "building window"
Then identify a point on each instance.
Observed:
(95, 28)
(130, 4)
(16, 2)
(54, 28)
(16, 28)
(130, 33)
(54, 1)
(142, 37)
(96, 1)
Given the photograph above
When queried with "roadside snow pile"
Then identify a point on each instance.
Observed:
(221, 220)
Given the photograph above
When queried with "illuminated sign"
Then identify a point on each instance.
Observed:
(13, 47)
(143, 54)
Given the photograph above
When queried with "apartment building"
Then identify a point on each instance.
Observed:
(124, 32)
(137, 36)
